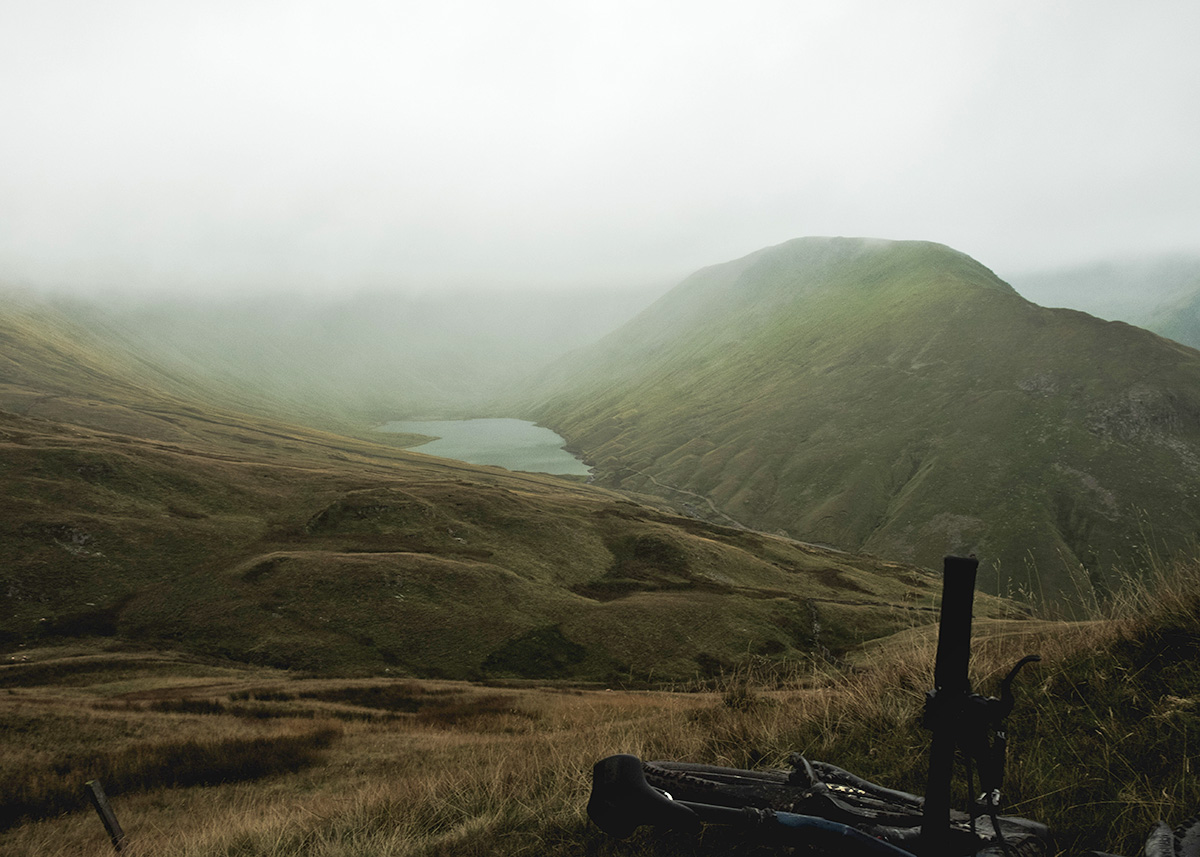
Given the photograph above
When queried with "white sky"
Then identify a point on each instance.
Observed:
(346, 145)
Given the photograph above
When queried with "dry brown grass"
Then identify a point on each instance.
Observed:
(1100, 744)
(487, 770)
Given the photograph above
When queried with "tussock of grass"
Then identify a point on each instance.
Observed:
(491, 771)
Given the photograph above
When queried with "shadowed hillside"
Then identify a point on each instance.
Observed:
(134, 513)
(896, 398)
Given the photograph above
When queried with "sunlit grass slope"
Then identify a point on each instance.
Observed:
(135, 513)
(897, 398)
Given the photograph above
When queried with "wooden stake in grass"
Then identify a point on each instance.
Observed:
(944, 707)
(100, 801)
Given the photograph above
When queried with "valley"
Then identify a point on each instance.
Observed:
(274, 629)
(413, 414)
(872, 405)
(139, 510)
(313, 553)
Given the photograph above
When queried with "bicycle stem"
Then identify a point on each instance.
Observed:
(952, 688)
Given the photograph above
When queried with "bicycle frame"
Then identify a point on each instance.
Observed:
(623, 800)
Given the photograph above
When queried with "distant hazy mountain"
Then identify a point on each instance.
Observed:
(1178, 320)
(1160, 294)
(362, 358)
(896, 398)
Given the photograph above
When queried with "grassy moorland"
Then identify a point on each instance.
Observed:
(314, 553)
(1102, 743)
(131, 512)
(897, 398)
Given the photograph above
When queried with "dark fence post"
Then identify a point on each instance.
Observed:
(100, 801)
(944, 706)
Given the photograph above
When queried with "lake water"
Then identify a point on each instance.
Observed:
(512, 444)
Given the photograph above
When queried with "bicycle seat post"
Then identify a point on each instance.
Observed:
(945, 704)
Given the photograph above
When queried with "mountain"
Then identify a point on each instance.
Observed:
(356, 360)
(138, 513)
(896, 398)
(1160, 294)
(1178, 319)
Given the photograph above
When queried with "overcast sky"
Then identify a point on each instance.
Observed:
(347, 145)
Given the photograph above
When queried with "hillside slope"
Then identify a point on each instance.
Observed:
(896, 398)
(130, 512)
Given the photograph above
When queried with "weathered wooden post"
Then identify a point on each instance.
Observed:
(100, 801)
(946, 704)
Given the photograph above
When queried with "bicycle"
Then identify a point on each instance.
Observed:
(826, 809)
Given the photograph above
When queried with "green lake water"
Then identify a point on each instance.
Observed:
(508, 443)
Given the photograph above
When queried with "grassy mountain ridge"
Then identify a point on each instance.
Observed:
(136, 513)
(897, 398)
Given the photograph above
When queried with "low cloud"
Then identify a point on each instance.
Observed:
(367, 145)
